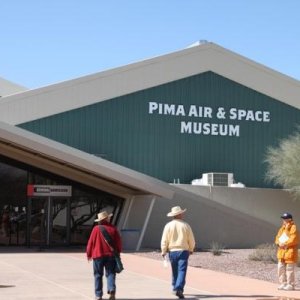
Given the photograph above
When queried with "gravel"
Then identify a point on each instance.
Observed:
(231, 261)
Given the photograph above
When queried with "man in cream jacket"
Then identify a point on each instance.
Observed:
(178, 240)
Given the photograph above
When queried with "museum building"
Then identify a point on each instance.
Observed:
(132, 139)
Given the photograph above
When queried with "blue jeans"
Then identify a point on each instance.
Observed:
(106, 263)
(179, 264)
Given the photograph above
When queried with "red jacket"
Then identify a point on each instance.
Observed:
(97, 246)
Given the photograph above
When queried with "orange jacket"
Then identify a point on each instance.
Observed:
(289, 252)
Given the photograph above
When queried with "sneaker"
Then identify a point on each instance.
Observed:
(179, 294)
(288, 287)
(282, 286)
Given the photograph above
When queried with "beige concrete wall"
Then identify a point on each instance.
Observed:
(264, 204)
(234, 217)
(136, 211)
(134, 220)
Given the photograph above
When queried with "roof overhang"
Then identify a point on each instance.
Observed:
(87, 90)
(57, 158)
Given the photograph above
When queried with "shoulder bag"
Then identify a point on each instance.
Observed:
(119, 265)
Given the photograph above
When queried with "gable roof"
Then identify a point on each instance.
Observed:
(35, 150)
(72, 94)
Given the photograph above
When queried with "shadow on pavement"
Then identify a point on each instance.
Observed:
(258, 297)
(281, 298)
(25, 249)
(267, 297)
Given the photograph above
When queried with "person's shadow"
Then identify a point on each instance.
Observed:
(258, 297)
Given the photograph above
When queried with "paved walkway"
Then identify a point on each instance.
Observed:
(59, 275)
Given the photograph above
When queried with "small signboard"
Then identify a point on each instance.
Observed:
(49, 190)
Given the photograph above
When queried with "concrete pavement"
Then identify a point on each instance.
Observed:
(60, 275)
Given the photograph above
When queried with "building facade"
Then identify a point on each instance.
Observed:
(172, 118)
(179, 130)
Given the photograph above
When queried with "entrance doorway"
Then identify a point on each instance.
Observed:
(48, 221)
(31, 219)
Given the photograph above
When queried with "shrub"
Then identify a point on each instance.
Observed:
(264, 252)
(216, 248)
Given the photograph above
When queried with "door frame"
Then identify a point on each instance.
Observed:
(46, 240)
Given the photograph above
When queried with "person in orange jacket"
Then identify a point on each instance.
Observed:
(287, 240)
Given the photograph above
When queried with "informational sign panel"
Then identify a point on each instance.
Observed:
(49, 190)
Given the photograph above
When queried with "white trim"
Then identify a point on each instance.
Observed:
(116, 82)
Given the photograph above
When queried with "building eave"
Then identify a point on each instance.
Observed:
(54, 157)
(91, 89)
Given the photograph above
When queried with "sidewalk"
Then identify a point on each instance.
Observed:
(64, 275)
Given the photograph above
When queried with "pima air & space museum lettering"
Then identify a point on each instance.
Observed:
(209, 128)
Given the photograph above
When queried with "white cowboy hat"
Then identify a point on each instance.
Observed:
(176, 210)
(103, 215)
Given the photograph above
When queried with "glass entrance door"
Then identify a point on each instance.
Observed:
(37, 226)
(60, 220)
(48, 221)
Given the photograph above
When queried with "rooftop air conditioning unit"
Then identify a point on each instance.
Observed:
(217, 179)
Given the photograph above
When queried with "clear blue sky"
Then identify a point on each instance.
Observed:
(44, 42)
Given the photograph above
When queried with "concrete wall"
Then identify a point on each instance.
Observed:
(137, 209)
(264, 204)
(134, 220)
(234, 217)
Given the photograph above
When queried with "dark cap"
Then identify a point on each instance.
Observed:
(286, 216)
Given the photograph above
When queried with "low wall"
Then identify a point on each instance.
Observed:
(234, 217)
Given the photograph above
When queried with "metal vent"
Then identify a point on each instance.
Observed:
(219, 179)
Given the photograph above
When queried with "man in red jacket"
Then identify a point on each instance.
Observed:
(102, 254)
